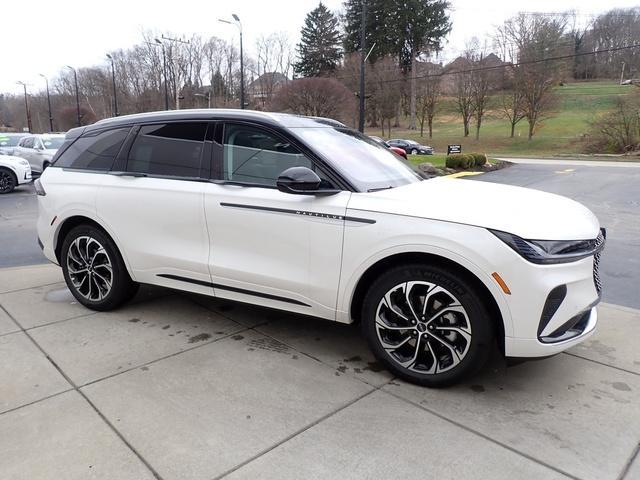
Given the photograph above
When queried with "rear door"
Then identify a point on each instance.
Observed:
(153, 203)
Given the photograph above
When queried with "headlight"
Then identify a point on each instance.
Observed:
(552, 251)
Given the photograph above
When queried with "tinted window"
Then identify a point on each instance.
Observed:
(95, 151)
(28, 142)
(253, 155)
(173, 149)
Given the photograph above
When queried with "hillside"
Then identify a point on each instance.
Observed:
(560, 133)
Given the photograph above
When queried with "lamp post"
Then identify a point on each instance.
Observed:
(203, 95)
(164, 72)
(238, 24)
(46, 80)
(26, 106)
(75, 81)
(113, 79)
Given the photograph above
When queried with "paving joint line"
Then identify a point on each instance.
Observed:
(36, 401)
(482, 435)
(627, 466)
(86, 398)
(296, 433)
(30, 288)
(601, 363)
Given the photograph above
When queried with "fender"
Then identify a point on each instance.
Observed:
(345, 294)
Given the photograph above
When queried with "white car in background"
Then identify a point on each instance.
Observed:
(311, 217)
(38, 150)
(14, 171)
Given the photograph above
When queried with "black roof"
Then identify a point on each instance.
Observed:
(267, 118)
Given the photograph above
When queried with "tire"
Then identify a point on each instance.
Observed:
(94, 270)
(414, 151)
(450, 342)
(8, 181)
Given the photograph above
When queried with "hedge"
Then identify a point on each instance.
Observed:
(462, 161)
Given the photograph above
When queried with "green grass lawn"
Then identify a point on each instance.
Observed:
(437, 160)
(561, 132)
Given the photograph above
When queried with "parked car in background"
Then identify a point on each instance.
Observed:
(411, 146)
(8, 141)
(296, 214)
(382, 141)
(38, 150)
(14, 171)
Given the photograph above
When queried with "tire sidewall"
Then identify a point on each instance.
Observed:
(482, 331)
(13, 178)
(414, 152)
(121, 282)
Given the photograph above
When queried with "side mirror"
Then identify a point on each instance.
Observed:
(301, 181)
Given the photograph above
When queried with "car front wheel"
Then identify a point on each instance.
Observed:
(427, 325)
(414, 151)
(94, 270)
(8, 181)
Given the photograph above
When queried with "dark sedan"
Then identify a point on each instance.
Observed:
(411, 146)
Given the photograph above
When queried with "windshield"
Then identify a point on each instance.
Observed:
(366, 164)
(412, 142)
(9, 141)
(52, 143)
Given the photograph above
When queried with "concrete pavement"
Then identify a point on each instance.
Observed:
(176, 386)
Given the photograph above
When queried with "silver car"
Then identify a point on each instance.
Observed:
(38, 150)
(9, 141)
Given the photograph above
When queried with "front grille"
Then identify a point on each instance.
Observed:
(596, 261)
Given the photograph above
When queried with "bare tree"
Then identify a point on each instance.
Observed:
(463, 91)
(537, 38)
(428, 100)
(321, 97)
(384, 79)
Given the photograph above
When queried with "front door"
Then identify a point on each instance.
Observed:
(269, 247)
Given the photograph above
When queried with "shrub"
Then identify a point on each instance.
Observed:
(459, 161)
(479, 159)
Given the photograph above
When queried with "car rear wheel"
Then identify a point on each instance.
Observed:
(8, 181)
(94, 270)
(427, 325)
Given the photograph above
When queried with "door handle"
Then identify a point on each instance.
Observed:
(128, 174)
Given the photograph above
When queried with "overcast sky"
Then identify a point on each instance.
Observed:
(46, 36)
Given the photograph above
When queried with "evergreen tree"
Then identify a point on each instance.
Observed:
(319, 47)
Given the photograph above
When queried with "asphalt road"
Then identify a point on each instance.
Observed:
(612, 193)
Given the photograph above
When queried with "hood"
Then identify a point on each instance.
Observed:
(528, 213)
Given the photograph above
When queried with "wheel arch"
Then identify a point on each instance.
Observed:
(73, 221)
(381, 265)
(11, 170)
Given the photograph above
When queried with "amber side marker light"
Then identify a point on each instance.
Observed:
(501, 282)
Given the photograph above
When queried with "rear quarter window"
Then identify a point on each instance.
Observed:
(95, 151)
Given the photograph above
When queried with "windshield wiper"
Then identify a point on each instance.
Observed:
(379, 188)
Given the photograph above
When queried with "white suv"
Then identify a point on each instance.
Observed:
(39, 150)
(304, 215)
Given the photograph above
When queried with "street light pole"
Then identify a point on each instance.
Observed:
(46, 80)
(239, 25)
(26, 106)
(113, 78)
(75, 80)
(164, 72)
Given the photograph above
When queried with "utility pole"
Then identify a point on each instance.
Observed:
(363, 56)
(26, 106)
(175, 69)
(75, 80)
(164, 71)
(113, 79)
(622, 73)
(238, 24)
(48, 103)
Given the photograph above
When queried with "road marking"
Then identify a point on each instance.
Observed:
(566, 170)
(464, 174)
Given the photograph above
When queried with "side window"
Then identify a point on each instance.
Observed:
(253, 155)
(95, 151)
(171, 149)
(28, 142)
